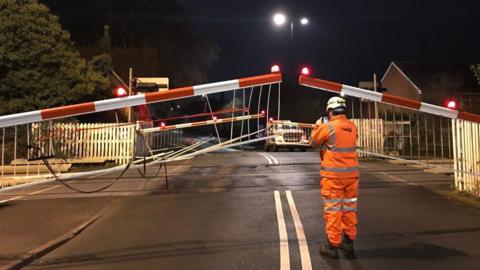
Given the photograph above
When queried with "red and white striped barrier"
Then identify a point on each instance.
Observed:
(386, 98)
(141, 99)
(204, 123)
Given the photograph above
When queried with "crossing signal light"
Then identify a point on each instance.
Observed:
(275, 69)
(120, 92)
(451, 104)
(305, 71)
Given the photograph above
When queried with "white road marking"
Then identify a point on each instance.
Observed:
(31, 193)
(302, 240)
(43, 190)
(282, 233)
(399, 179)
(266, 157)
(273, 158)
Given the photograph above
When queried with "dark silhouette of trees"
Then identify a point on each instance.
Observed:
(39, 66)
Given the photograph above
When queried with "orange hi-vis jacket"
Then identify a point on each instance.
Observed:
(338, 139)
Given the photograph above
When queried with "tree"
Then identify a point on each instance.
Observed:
(39, 67)
(442, 85)
(476, 71)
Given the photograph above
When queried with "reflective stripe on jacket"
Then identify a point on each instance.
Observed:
(338, 139)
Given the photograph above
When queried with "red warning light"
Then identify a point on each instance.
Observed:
(263, 112)
(270, 119)
(162, 125)
(275, 69)
(120, 92)
(451, 104)
(305, 71)
(214, 118)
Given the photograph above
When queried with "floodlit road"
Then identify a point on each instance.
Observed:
(236, 211)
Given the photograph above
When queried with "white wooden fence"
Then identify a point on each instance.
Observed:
(113, 142)
(466, 147)
(371, 135)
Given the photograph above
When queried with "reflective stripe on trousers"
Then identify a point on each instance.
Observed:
(342, 207)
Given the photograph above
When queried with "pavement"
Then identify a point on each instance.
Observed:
(242, 210)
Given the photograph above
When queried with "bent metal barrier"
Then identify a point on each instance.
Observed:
(140, 99)
(22, 130)
(412, 104)
(416, 131)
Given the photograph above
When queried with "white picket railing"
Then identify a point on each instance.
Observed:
(466, 147)
(371, 135)
(112, 142)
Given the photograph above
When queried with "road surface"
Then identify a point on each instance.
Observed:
(244, 210)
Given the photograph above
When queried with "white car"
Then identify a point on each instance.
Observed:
(288, 135)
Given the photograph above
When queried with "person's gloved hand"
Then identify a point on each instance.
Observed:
(321, 121)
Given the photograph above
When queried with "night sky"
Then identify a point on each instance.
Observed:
(346, 40)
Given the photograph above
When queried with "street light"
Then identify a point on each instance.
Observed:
(279, 19)
(304, 21)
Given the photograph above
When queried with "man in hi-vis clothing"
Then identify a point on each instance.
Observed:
(337, 138)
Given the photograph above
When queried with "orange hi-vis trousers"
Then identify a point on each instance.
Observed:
(340, 208)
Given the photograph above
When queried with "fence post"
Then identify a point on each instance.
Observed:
(3, 152)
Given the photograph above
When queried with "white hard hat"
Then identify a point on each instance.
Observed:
(337, 104)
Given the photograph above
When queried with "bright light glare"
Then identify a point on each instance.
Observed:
(279, 19)
(452, 104)
(275, 68)
(305, 71)
(120, 92)
(304, 21)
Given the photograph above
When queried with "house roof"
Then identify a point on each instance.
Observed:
(421, 74)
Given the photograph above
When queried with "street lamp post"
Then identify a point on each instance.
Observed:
(280, 19)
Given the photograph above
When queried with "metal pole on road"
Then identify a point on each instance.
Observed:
(375, 89)
(130, 77)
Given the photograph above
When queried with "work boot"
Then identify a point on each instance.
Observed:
(347, 244)
(327, 249)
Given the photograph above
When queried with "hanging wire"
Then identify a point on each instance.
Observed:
(243, 113)
(233, 114)
(278, 108)
(268, 101)
(44, 158)
(258, 106)
(211, 115)
(249, 106)
(146, 146)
